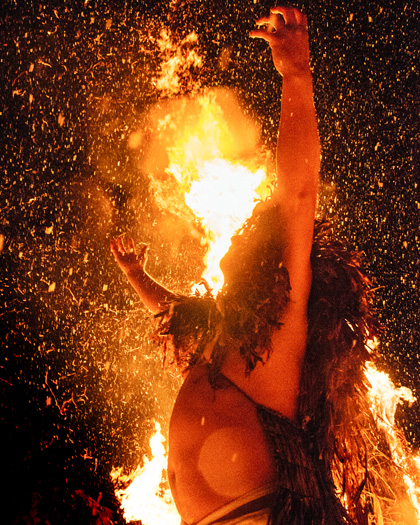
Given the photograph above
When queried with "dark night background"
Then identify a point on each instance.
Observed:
(79, 384)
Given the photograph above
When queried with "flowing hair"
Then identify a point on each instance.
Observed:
(334, 407)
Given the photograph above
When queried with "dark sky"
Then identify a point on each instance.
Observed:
(77, 371)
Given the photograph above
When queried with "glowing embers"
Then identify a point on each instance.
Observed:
(146, 496)
(204, 153)
(178, 60)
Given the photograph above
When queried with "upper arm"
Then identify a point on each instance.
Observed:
(297, 215)
(275, 383)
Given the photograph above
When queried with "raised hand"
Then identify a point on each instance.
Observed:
(132, 262)
(127, 255)
(285, 30)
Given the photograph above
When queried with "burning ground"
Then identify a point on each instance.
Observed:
(96, 106)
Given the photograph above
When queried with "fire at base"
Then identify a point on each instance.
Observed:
(146, 496)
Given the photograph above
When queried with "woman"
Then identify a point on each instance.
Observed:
(267, 424)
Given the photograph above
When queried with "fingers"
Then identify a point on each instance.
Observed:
(122, 246)
(291, 15)
(143, 249)
(114, 246)
(265, 20)
(272, 23)
(280, 17)
(126, 245)
(125, 250)
(301, 19)
(142, 253)
(261, 33)
(130, 245)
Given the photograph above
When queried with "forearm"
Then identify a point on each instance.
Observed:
(154, 295)
(298, 147)
(132, 262)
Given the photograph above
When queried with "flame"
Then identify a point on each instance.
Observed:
(222, 197)
(202, 156)
(213, 166)
(146, 498)
(209, 148)
(200, 151)
(385, 398)
(177, 61)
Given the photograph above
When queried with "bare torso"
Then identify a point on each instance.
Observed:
(217, 449)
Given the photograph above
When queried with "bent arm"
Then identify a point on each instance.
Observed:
(154, 295)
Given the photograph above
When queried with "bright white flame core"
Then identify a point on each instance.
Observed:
(222, 197)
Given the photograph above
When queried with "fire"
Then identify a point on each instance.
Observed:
(209, 160)
(177, 60)
(203, 156)
(213, 167)
(203, 152)
(145, 497)
(222, 197)
(385, 398)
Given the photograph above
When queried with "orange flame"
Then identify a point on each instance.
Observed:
(178, 59)
(145, 498)
(385, 398)
(209, 147)
(222, 198)
(204, 149)
(213, 166)
(219, 190)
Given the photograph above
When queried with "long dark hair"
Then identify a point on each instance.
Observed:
(334, 405)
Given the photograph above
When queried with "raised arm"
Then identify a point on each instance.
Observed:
(132, 263)
(276, 383)
(298, 147)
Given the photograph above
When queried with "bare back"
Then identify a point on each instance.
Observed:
(217, 449)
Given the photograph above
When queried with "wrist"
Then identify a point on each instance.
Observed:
(302, 76)
(298, 88)
(135, 271)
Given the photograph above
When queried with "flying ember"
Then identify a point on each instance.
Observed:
(205, 162)
(210, 148)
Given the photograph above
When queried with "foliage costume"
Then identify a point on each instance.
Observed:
(335, 465)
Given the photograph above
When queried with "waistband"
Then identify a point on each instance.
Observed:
(252, 505)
